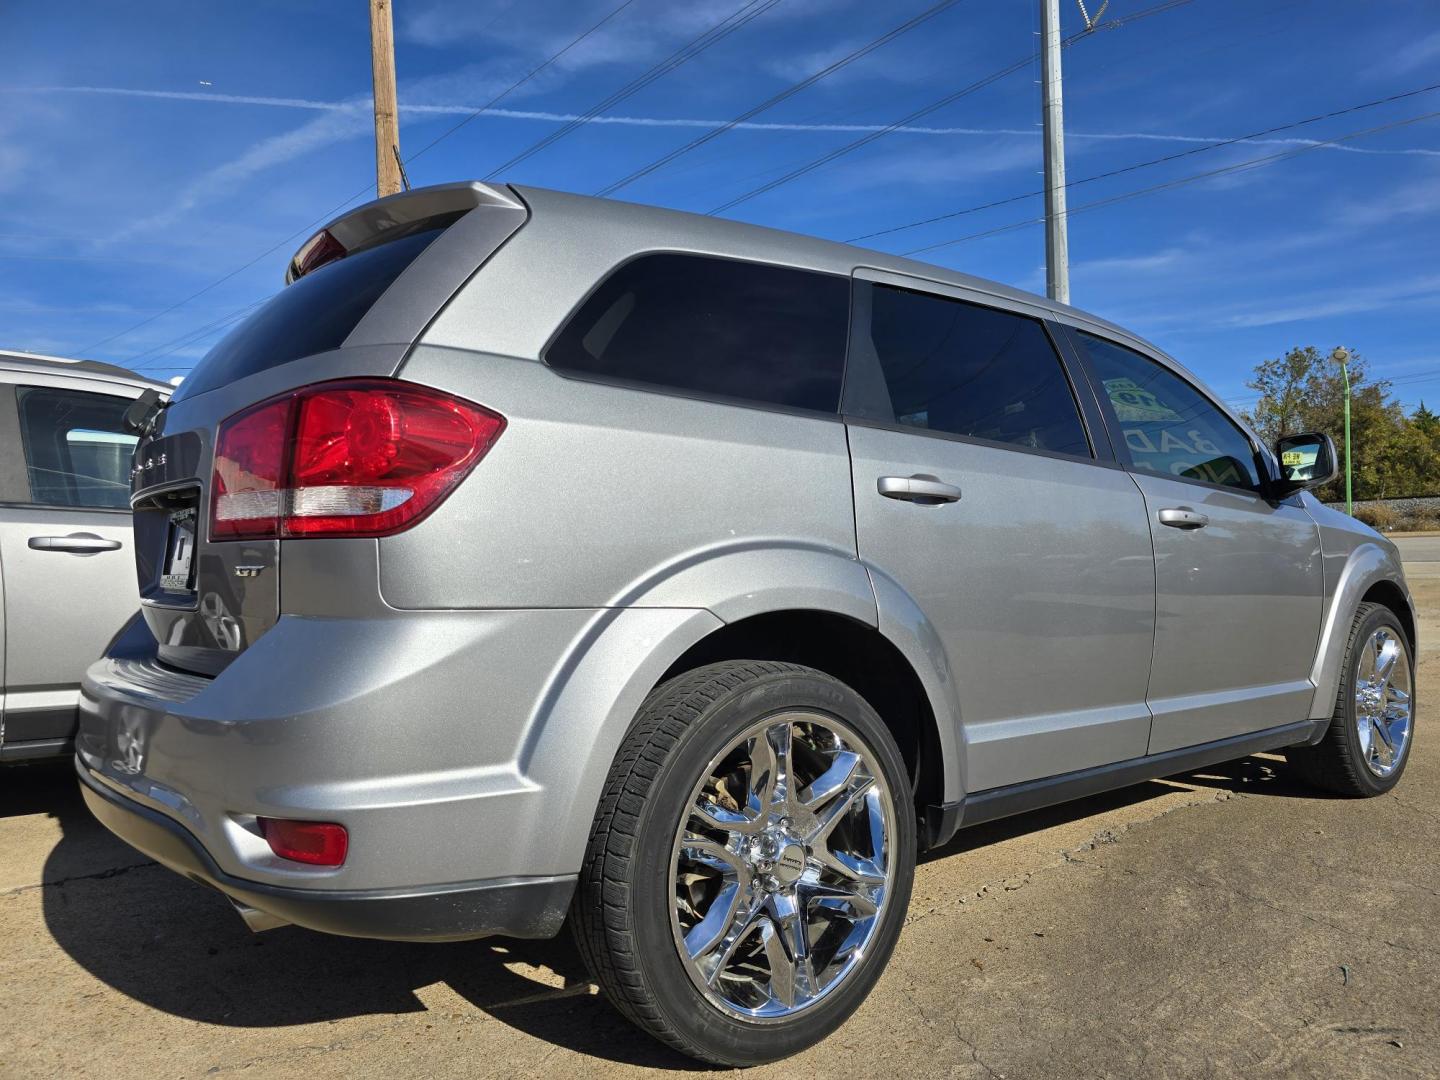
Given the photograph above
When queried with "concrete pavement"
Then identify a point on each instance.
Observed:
(1222, 924)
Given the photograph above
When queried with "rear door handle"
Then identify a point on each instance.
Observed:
(75, 544)
(919, 489)
(1183, 517)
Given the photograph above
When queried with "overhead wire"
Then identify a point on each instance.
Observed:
(737, 19)
(1253, 136)
(1242, 166)
(934, 106)
(309, 229)
(784, 95)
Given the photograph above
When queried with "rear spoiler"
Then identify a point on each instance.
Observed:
(393, 217)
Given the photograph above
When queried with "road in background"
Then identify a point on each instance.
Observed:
(1223, 924)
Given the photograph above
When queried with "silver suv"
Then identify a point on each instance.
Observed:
(561, 557)
(65, 559)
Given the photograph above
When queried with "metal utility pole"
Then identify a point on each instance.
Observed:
(1057, 244)
(387, 124)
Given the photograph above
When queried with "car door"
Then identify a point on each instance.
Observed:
(981, 494)
(68, 572)
(1238, 580)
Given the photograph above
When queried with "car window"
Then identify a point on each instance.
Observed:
(971, 370)
(76, 451)
(315, 314)
(1168, 425)
(762, 333)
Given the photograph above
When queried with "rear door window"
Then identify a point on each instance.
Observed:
(77, 452)
(315, 314)
(965, 369)
(1168, 426)
(714, 327)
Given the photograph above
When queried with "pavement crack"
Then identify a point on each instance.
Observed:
(99, 875)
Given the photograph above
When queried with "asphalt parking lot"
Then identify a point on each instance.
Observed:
(1222, 924)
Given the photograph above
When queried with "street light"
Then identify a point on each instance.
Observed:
(1341, 356)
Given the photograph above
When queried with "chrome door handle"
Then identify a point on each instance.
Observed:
(1182, 517)
(75, 544)
(920, 489)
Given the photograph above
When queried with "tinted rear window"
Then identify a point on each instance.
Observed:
(313, 315)
(718, 327)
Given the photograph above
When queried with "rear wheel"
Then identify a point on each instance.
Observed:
(750, 862)
(1368, 743)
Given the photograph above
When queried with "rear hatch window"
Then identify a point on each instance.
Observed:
(315, 314)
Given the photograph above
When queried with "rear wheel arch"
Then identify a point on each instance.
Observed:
(858, 655)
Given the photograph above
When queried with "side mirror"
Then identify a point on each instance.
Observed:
(1306, 461)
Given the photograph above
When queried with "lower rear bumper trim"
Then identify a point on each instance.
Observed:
(525, 907)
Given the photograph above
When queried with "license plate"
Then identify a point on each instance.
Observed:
(178, 572)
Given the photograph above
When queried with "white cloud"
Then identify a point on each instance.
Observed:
(427, 97)
(323, 130)
(1415, 55)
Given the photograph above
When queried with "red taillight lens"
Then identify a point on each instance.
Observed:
(319, 843)
(363, 458)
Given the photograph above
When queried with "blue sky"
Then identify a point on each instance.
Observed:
(147, 152)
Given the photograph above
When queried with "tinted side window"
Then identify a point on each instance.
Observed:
(76, 451)
(714, 326)
(970, 370)
(1168, 425)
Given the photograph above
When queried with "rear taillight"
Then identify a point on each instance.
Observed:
(357, 458)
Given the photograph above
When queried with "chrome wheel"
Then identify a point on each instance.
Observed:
(1382, 701)
(781, 866)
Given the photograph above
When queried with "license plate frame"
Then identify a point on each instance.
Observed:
(177, 572)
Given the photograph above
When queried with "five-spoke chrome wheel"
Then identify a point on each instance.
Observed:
(1382, 700)
(781, 865)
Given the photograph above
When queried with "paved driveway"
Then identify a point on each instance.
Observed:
(1225, 924)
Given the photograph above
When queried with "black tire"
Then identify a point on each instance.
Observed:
(1336, 763)
(621, 914)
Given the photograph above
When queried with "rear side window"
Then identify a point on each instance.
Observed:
(969, 370)
(313, 315)
(77, 453)
(1169, 426)
(761, 333)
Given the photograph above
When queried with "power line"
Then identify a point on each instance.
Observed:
(329, 214)
(1153, 161)
(1242, 166)
(926, 110)
(519, 83)
(784, 95)
(743, 15)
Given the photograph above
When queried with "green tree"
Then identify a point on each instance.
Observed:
(1394, 455)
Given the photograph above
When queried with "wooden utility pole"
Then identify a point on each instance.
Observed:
(387, 123)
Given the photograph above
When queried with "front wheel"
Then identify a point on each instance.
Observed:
(750, 863)
(1368, 742)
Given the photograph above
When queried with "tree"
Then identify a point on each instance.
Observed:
(1394, 455)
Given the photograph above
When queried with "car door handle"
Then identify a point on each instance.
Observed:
(75, 544)
(919, 489)
(1183, 517)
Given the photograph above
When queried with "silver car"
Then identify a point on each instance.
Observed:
(561, 558)
(67, 574)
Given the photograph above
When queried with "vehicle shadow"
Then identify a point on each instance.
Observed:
(178, 947)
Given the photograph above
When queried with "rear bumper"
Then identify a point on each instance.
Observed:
(514, 907)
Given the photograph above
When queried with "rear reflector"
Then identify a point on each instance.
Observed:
(319, 843)
(366, 457)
